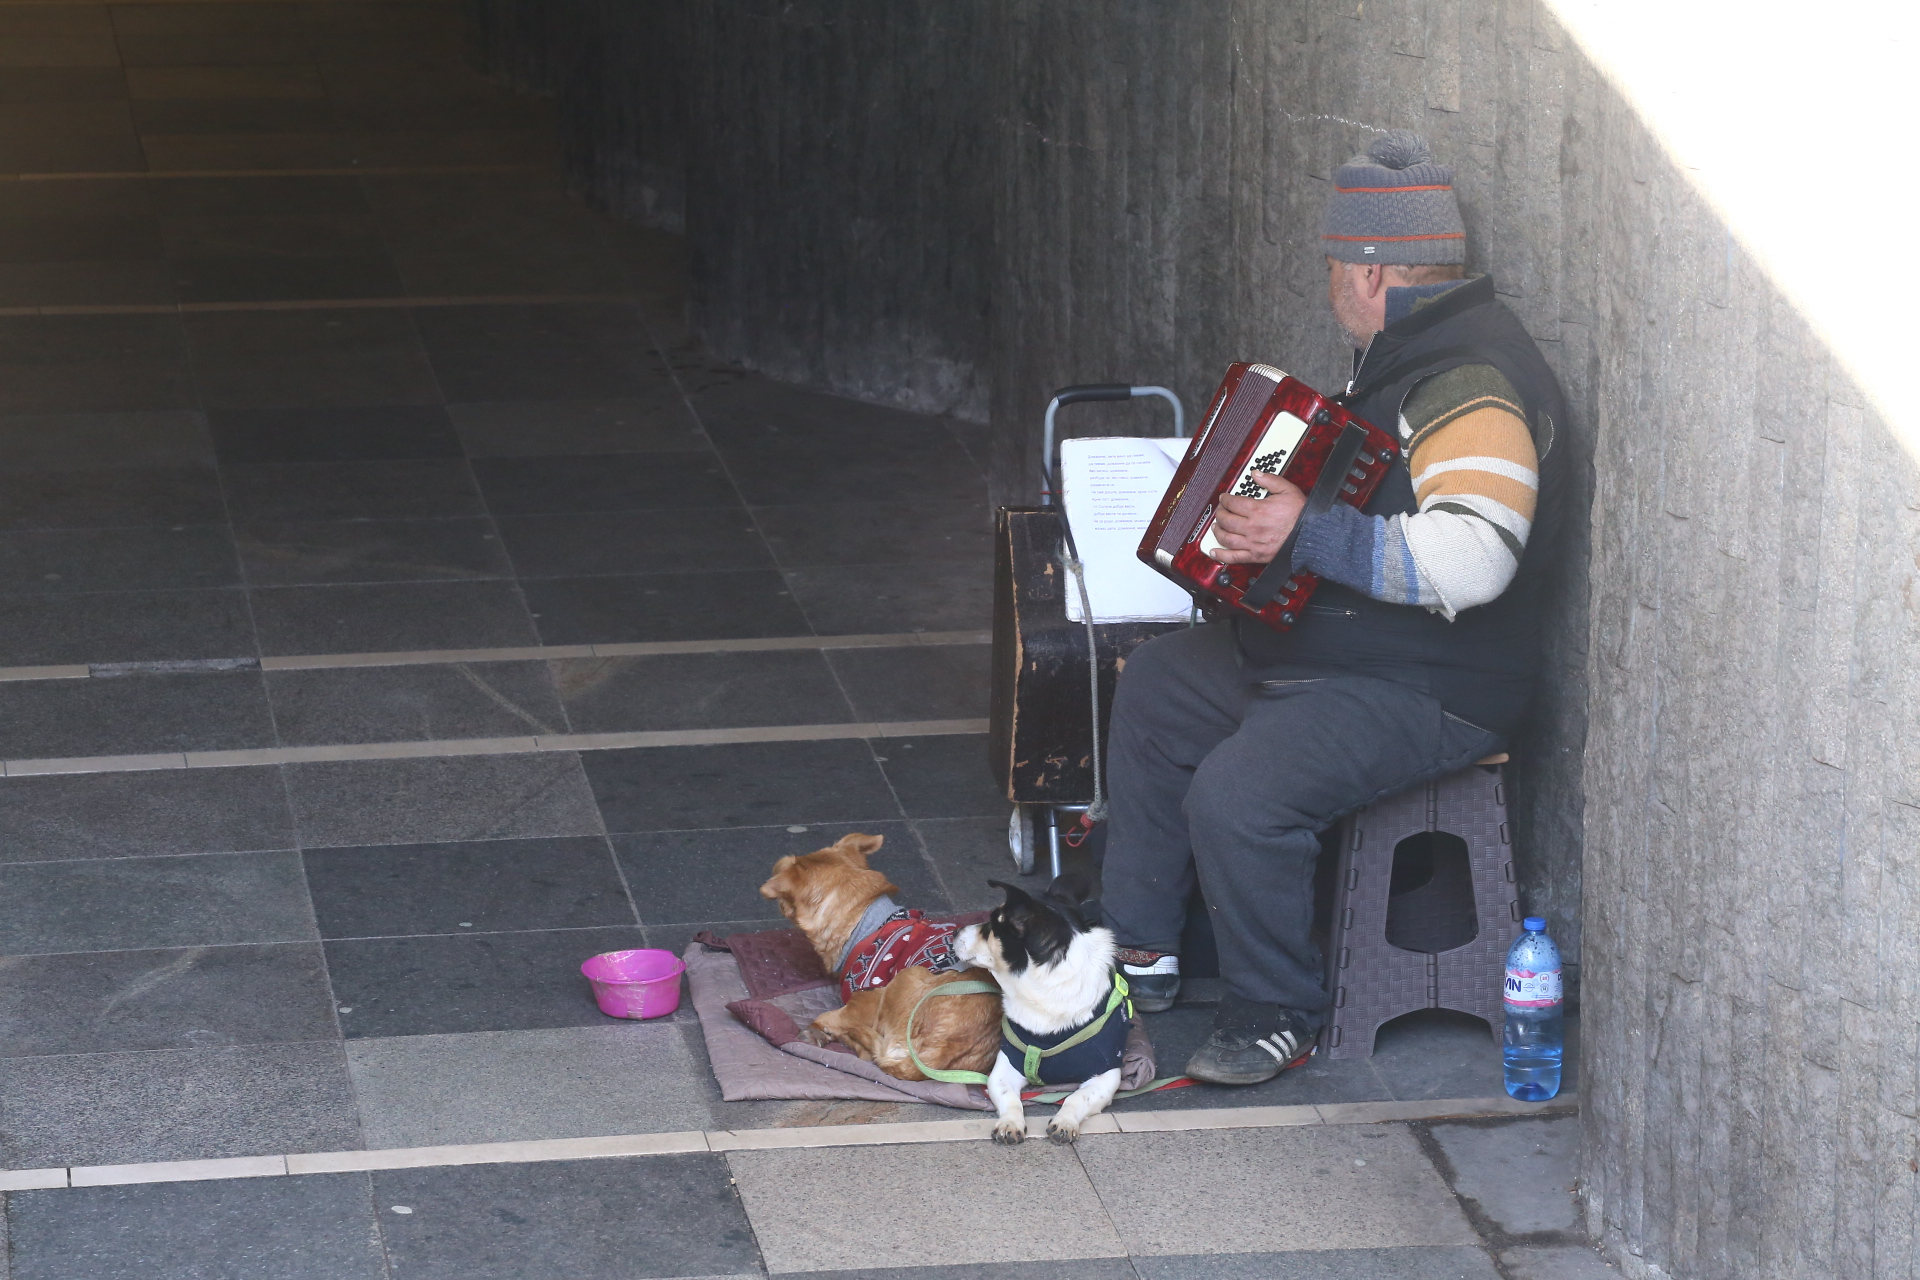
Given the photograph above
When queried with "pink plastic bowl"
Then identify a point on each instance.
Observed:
(636, 984)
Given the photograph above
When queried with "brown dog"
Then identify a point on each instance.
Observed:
(832, 895)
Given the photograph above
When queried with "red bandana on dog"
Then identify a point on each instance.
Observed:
(906, 938)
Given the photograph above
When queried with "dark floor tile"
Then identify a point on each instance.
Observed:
(604, 482)
(474, 213)
(210, 49)
(707, 539)
(416, 489)
(752, 412)
(99, 153)
(770, 476)
(423, 148)
(77, 498)
(134, 715)
(367, 433)
(388, 618)
(471, 887)
(415, 703)
(1181, 1030)
(527, 270)
(488, 982)
(172, 440)
(192, 998)
(125, 626)
(177, 1104)
(968, 853)
(317, 552)
(232, 115)
(55, 561)
(78, 238)
(251, 236)
(668, 606)
(263, 196)
(277, 279)
(442, 114)
(673, 1215)
(1419, 1262)
(1437, 1053)
(745, 784)
(318, 1227)
(1070, 1269)
(363, 802)
(878, 533)
(922, 682)
(700, 691)
(327, 357)
(682, 876)
(948, 776)
(88, 364)
(871, 599)
(558, 351)
(111, 283)
(125, 815)
(111, 904)
(656, 423)
(61, 84)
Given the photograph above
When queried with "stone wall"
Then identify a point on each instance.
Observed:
(960, 205)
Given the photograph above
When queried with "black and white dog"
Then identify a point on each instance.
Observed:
(1067, 1016)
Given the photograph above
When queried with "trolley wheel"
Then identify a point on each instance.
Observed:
(1023, 836)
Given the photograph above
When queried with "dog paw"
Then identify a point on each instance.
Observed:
(1060, 1135)
(1009, 1134)
(816, 1037)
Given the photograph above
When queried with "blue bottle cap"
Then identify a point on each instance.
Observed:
(1534, 924)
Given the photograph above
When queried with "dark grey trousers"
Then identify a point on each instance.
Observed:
(1232, 772)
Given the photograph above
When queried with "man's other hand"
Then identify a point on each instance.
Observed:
(1250, 530)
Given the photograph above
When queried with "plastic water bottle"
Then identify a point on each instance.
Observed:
(1536, 1025)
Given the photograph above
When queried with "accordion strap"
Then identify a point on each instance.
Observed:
(1325, 489)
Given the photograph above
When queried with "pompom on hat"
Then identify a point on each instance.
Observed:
(1395, 204)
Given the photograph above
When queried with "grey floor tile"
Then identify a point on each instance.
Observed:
(232, 115)
(100, 497)
(511, 1086)
(868, 599)
(410, 489)
(1274, 1189)
(1065, 1269)
(655, 423)
(191, 998)
(255, 196)
(583, 1219)
(92, 364)
(680, 876)
(413, 703)
(968, 852)
(110, 904)
(54, 561)
(130, 715)
(319, 1227)
(582, 483)
(278, 278)
(588, 351)
(489, 982)
(1178, 1032)
(315, 552)
(169, 439)
(1557, 1262)
(890, 533)
(391, 617)
(321, 358)
(1443, 1262)
(739, 785)
(841, 467)
(86, 284)
(363, 802)
(925, 682)
(815, 1210)
(481, 886)
(625, 542)
(1437, 1053)
(181, 1104)
(943, 777)
(1521, 1172)
(738, 604)
(360, 433)
(125, 815)
(125, 626)
(63, 84)
(700, 691)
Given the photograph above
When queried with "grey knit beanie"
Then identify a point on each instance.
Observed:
(1394, 204)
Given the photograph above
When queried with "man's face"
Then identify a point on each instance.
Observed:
(1351, 308)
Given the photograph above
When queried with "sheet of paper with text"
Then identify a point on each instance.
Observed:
(1110, 487)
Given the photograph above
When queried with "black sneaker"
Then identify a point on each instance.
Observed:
(1153, 978)
(1251, 1043)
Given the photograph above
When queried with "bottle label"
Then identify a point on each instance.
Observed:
(1529, 990)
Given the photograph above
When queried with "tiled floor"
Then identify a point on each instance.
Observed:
(304, 354)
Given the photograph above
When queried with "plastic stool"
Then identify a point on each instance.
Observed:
(1449, 934)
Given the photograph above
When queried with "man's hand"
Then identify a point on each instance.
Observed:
(1251, 530)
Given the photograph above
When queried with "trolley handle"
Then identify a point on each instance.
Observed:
(1099, 391)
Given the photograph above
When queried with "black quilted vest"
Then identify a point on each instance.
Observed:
(1482, 665)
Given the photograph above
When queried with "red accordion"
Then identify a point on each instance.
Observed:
(1261, 420)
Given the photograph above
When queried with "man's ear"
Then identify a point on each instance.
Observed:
(1373, 280)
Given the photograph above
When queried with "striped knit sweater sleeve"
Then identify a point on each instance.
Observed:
(1475, 479)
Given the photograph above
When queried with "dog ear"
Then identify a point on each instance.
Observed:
(779, 884)
(857, 848)
(1021, 905)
